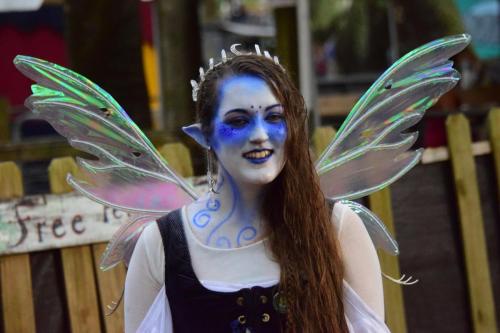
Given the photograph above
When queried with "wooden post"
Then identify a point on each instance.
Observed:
(322, 136)
(180, 56)
(15, 271)
(178, 158)
(4, 121)
(494, 129)
(111, 284)
(286, 39)
(471, 223)
(77, 263)
(380, 204)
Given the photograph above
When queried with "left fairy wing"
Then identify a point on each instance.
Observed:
(370, 150)
(122, 244)
(128, 174)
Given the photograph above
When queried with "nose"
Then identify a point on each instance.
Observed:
(259, 134)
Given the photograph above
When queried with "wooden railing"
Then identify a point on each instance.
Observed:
(88, 290)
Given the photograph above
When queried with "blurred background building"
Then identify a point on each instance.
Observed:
(145, 53)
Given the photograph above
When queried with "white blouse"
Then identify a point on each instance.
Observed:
(228, 270)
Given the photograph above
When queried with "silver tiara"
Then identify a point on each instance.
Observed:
(224, 57)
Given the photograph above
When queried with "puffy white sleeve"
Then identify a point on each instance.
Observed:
(145, 277)
(361, 264)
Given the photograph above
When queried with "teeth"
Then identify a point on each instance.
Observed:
(258, 154)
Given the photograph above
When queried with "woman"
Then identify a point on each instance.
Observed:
(262, 251)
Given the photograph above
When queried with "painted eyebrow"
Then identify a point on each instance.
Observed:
(270, 107)
(239, 110)
(242, 110)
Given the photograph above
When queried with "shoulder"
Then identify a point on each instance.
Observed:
(361, 264)
(348, 224)
(151, 234)
(149, 250)
(338, 210)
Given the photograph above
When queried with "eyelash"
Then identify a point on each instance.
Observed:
(275, 117)
(239, 122)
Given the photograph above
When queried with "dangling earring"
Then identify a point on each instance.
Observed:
(210, 177)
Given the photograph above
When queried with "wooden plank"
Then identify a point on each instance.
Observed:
(322, 136)
(50, 148)
(111, 284)
(336, 105)
(178, 158)
(77, 262)
(494, 131)
(471, 223)
(380, 204)
(11, 183)
(15, 271)
(440, 154)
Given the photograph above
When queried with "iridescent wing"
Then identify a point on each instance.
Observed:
(128, 172)
(371, 150)
(376, 228)
(122, 244)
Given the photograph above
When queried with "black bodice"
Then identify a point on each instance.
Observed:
(197, 309)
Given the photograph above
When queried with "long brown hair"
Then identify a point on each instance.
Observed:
(301, 235)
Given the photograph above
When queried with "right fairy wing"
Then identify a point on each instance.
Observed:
(128, 173)
(371, 149)
(377, 230)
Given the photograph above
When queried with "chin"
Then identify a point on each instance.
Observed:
(259, 178)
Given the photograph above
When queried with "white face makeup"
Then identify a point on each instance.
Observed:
(249, 131)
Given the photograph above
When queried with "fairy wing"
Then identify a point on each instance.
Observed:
(122, 244)
(128, 172)
(371, 150)
(375, 227)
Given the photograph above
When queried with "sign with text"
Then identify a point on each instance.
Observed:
(40, 222)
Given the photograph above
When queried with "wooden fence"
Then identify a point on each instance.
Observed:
(87, 290)
(460, 150)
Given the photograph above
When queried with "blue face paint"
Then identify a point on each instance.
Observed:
(249, 130)
(248, 137)
(237, 118)
(237, 129)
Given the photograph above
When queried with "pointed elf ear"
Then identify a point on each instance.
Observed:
(195, 132)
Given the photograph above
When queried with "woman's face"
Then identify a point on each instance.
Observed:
(249, 130)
